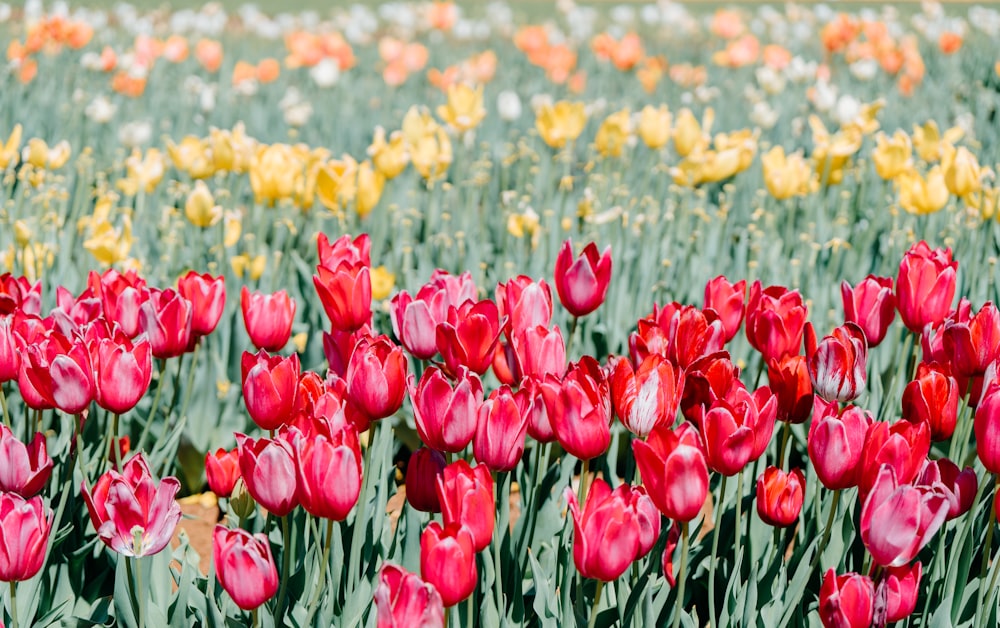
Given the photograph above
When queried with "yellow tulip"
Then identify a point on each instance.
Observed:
(23, 234)
(382, 283)
(232, 151)
(689, 134)
(370, 186)
(389, 158)
(561, 123)
(832, 153)
(922, 195)
(892, 156)
(962, 173)
(464, 109)
(273, 173)
(40, 155)
(9, 150)
(245, 265)
(613, 134)
(786, 175)
(654, 126)
(143, 172)
(986, 202)
(200, 207)
(418, 123)
(232, 229)
(930, 143)
(336, 183)
(432, 155)
(107, 244)
(193, 156)
(34, 259)
(743, 141)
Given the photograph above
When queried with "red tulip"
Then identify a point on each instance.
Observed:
(10, 356)
(539, 351)
(403, 600)
(132, 513)
(776, 318)
(613, 531)
(268, 469)
(328, 464)
(837, 367)
(270, 384)
(846, 601)
(244, 566)
(539, 426)
(466, 497)
(422, 473)
(268, 318)
(446, 415)
(726, 300)
(738, 428)
(898, 519)
(681, 333)
(925, 286)
(61, 372)
(207, 295)
(448, 561)
(338, 347)
(902, 445)
(901, 587)
(500, 431)
(18, 294)
(415, 319)
(376, 377)
(346, 295)
(959, 487)
(673, 536)
(469, 336)
(458, 288)
(932, 398)
(673, 468)
(836, 442)
(789, 380)
(973, 344)
(222, 469)
(356, 252)
(582, 283)
(25, 526)
(525, 303)
(124, 370)
(706, 381)
(779, 496)
(647, 397)
(24, 470)
(987, 428)
(166, 318)
(870, 305)
(578, 407)
(122, 295)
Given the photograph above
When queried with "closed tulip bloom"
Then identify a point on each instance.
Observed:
(328, 464)
(404, 600)
(166, 318)
(673, 469)
(708, 379)
(376, 377)
(10, 356)
(346, 295)
(540, 351)
(124, 370)
(356, 251)
(898, 520)
(789, 380)
(779, 496)
(122, 296)
(268, 318)
(133, 514)
(987, 428)
(422, 473)
(500, 431)
(222, 469)
(525, 303)
(647, 397)
(738, 428)
(579, 409)
(25, 527)
(932, 398)
(901, 588)
(338, 347)
(901, 445)
(836, 442)
(269, 387)
(973, 344)
(871, 305)
(24, 469)
(925, 286)
(415, 319)
(268, 469)
(207, 295)
(539, 426)
(582, 283)
(846, 601)
(726, 300)
(838, 366)
(691, 335)
(959, 487)
(62, 373)
(448, 561)
(775, 321)
(446, 414)
(244, 566)
(469, 336)
(466, 497)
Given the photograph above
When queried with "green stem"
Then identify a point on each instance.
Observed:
(255, 618)
(3, 403)
(739, 511)
(786, 432)
(360, 520)
(286, 558)
(471, 611)
(581, 495)
(572, 334)
(190, 380)
(681, 575)
(13, 604)
(138, 589)
(715, 551)
(826, 531)
(156, 405)
(314, 604)
(987, 551)
(498, 532)
(597, 603)
(116, 448)
(175, 396)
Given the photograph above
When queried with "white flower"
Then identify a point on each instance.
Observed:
(132, 134)
(206, 100)
(771, 80)
(864, 69)
(763, 115)
(298, 114)
(824, 98)
(326, 73)
(509, 105)
(847, 110)
(101, 110)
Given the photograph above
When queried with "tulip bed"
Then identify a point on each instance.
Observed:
(635, 315)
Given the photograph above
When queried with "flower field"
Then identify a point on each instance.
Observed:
(489, 315)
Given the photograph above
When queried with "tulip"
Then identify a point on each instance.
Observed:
(539, 426)
(376, 377)
(789, 380)
(973, 344)
(932, 398)
(415, 319)
(346, 295)
(987, 428)
(959, 487)
(708, 379)
(244, 566)
(10, 356)
(269, 387)
(422, 473)
(673, 468)
(871, 305)
(446, 416)
(25, 527)
(962, 173)
(902, 445)
(328, 465)
(779, 496)
(469, 336)
(613, 134)
(61, 372)
(578, 407)
(898, 519)
(448, 561)
(268, 469)
(786, 176)
(207, 295)
(901, 587)
(268, 318)
(464, 109)
(123, 372)
(525, 304)
(539, 351)
(501, 427)
(654, 126)
(122, 296)
(561, 123)
(775, 320)
(892, 156)
(726, 300)
(166, 318)
(647, 397)
(690, 333)
(222, 469)
(922, 195)
(582, 283)
(355, 252)
(466, 497)
(738, 428)
(24, 470)
(18, 294)
(613, 530)
(837, 367)
(403, 599)
(925, 286)
(132, 513)
(836, 443)
(846, 601)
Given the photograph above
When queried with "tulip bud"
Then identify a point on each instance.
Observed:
(501, 427)
(267, 467)
(24, 470)
(901, 588)
(446, 415)
(871, 305)
(973, 344)
(846, 601)
(222, 469)
(25, 527)
(932, 398)
(207, 295)
(925, 286)
(270, 384)
(578, 407)
(583, 283)
(775, 320)
(726, 300)
(469, 335)
(466, 497)
(244, 566)
(779, 496)
(404, 599)
(422, 473)
(268, 318)
(166, 318)
(241, 503)
(376, 377)
(837, 367)
(986, 426)
(902, 446)
(648, 397)
(672, 465)
(448, 561)
(790, 382)
(835, 444)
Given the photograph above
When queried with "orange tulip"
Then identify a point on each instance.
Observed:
(268, 70)
(209, 54)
